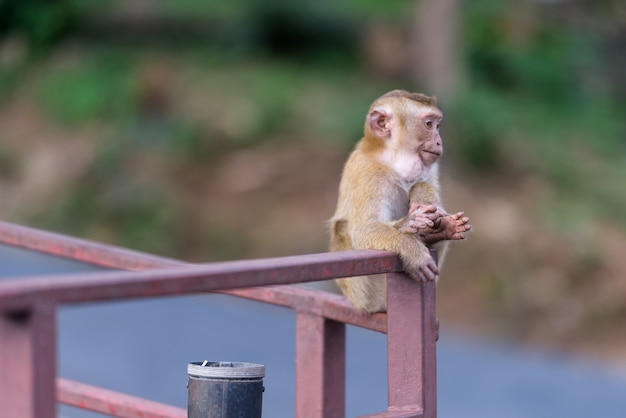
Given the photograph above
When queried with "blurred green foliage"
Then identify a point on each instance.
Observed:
(99, 89)
(42, 22)
(531, 85)
(239, 10)
(539, 96)
(106, 87)
(534, 78)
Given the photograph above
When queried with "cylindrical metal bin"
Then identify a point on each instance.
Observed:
(220, 389)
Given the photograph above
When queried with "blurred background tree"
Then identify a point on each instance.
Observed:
(212, 130)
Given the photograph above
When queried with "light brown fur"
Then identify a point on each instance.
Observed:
(389, 172)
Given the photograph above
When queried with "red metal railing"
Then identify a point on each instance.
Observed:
(29, 387)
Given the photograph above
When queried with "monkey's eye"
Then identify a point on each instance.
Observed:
(428, 124)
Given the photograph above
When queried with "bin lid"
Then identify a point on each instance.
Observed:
(226, 369)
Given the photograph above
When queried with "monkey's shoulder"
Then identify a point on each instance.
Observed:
(362, 167)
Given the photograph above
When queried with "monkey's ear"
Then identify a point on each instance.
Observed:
(379, 122)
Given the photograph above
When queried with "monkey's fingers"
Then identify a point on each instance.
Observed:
(442, 213)
(457, 236)
(430, 211)
(458, 215)
(431, 216)
(461, 230)
(463, 225)
(430, 271)
(426, 223)
(420, 224)
(413, 206)
(427, 208)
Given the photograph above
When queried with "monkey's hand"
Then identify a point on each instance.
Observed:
(419, 264)
(420, 218)
(446, 227)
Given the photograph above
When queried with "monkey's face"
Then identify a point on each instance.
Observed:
(427, 138)
(415, 144)
(409, 133)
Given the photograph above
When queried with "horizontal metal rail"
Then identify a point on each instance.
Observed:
(80, 250)
(332, 306)
(28, 310)
(191, 279)
(109, 402)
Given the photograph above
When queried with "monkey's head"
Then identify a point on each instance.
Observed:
(406, 126)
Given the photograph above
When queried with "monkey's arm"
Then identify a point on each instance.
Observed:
(369, 227)
(381, 235)
(368, 200)
(445, 226)
(424, 210)
(415, 256)
(424, 200)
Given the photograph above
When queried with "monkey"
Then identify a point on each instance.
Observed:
(389, 195)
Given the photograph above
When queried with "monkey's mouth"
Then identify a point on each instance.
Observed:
(435, 153)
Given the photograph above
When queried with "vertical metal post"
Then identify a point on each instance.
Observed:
(28, 362)
(320, 366)
(411, 345)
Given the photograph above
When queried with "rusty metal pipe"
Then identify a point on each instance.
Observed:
(75, 288)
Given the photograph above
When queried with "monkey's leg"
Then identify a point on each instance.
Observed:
(366, 293)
